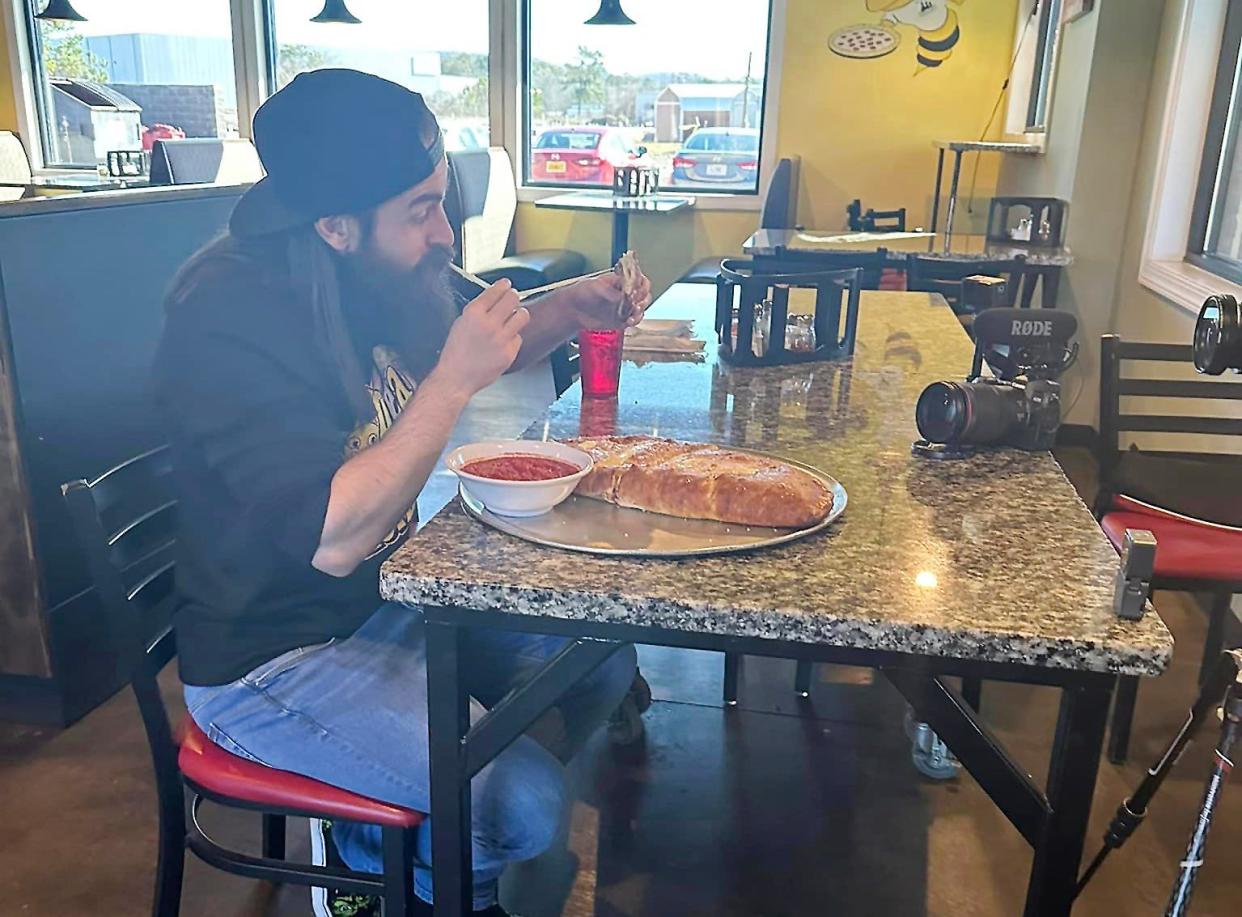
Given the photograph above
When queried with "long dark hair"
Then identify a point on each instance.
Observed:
(301, 258)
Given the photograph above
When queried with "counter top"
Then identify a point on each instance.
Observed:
(116, 198)
(989, 146)
(960, 246)
(994, 558)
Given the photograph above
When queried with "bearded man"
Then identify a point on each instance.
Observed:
(313, 365)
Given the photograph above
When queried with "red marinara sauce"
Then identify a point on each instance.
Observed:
(520, 467)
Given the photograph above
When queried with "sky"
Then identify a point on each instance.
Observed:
(711, 37)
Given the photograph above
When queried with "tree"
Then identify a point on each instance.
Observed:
(65, 55)
(587, 78)
(295, 59)
(471, 102)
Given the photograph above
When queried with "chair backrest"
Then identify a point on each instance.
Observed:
(204, 160)
(14, 165)
(125, 523)
(564, 360)
(1005, 212)
(481, 204)
(926, 274)
(870, 265)
(780, 203)
(1203, 405)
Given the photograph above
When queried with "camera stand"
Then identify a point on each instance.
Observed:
(943, 452)
(1224, 681)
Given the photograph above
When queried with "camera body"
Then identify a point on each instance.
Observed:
(1019, 404)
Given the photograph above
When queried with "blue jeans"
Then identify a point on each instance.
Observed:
(353, 713)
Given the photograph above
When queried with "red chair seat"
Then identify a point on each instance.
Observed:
(1185, 548)
(211, 767)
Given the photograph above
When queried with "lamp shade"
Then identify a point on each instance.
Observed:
(336, 11)
(62, 10)
(610, 13)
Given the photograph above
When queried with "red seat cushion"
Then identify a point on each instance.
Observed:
(211, 767)
(1185, 548)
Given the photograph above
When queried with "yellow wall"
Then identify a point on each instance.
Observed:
(864, 128)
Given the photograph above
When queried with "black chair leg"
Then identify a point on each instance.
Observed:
(972, 692)
(1123, 719)
(399, 899)
(802, 678)
(170, 866)
(732, 671)
(1214, 645)
(273, 836)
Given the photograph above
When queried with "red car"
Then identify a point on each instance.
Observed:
(582, 154)
(160, 132)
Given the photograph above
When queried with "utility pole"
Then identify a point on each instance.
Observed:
(746, 91)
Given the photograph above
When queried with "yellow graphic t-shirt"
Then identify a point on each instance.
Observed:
(390, 389)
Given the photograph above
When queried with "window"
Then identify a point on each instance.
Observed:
(1045, 60)
(135, 71)
(682, 91)
(439, 50)
(1215, 241)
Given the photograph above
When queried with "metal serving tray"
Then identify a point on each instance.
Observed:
(595, 527)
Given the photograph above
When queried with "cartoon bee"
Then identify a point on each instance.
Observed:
(935, 21)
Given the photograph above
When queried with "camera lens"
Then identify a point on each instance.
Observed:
(1218, 337)
(970, 413)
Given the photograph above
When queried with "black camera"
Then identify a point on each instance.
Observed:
(1218, 336)
(1019, 404)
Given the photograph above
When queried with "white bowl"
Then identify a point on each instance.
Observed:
(518, 498)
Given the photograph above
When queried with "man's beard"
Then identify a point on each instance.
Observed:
(417, 304)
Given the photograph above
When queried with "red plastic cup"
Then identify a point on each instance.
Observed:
(597, 417)
(600, 361)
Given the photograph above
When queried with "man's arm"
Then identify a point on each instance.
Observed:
(376, 487)
(594, 303)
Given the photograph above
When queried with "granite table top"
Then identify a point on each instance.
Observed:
(993, 558)
(958, 246)
(989, 146)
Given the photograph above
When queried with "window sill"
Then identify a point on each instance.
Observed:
(749, 203)
(1184, 284)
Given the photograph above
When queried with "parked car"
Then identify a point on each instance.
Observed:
(154, 132)
(464, 136)
(726, 157)
(583, 154)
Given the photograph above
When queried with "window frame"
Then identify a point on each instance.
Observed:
(1219, 146)
(1043, 74)
(519, 143)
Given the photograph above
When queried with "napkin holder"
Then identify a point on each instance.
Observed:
(635, 181)
(753, 321)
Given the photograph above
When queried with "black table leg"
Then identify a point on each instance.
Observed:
(951, 208)
(1052, 284)
(972, 692)
(1071, 785)
(620, 234)
(1123, 719)
(448, 722)
(732, 672)
(936, 197)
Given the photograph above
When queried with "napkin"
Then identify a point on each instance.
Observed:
(663, 336)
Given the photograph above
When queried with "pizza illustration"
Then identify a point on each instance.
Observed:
(862, 41)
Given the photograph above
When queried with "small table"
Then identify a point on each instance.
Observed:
(968, 146)
(620, 207)
(991, 567)
(964, 248)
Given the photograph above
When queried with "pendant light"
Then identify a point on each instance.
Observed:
(60, 10)
(610, 13)
(335, 11)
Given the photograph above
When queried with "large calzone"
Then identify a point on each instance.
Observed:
(699, 481)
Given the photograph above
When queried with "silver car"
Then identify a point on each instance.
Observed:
(725, 158)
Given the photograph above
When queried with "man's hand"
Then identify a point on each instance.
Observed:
(599, 303)
(484, 341)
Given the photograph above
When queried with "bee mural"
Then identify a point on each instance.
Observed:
(935, 21)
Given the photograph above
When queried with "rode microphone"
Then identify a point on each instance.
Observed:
(1017, 342)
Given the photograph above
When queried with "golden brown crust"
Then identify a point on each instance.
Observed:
(700, 481)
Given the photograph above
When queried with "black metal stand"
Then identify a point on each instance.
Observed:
(1222, 682)
(620, 234)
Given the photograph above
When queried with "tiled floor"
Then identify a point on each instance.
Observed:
(779, 807)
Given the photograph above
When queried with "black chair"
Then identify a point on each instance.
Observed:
(870, 265)
(926, 274)
(203, 160)
(1190, 500)
(481, 204)
(779, 209)
(125, 523)
(874, 220)
(564, 360)
(1039, 209)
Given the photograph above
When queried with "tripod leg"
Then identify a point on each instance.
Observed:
(1123, 719)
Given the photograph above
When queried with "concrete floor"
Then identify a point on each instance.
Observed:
(775, 809)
